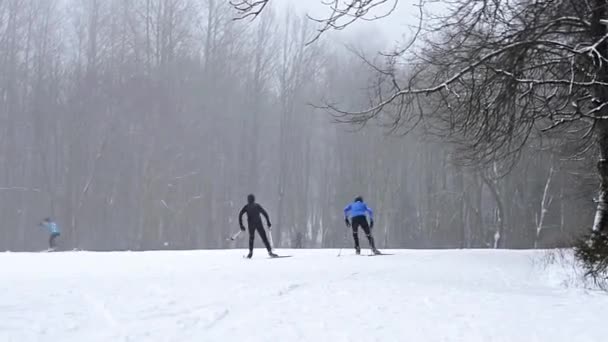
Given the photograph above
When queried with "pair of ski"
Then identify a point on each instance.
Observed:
(373, 254)
(272, 257)
(234, 236)
(50, 250)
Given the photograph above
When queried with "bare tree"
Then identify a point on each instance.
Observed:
(497, 73)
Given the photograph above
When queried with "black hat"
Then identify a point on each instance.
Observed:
(359, 199)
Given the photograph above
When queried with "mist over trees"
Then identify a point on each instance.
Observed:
(143, 124)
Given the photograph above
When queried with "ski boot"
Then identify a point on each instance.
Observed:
(358, 250)
(250, 255)
(376, 252)
(272, 255)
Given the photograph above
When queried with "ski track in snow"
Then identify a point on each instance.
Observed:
(437, 296)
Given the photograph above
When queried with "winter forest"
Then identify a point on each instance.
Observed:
(144, 124)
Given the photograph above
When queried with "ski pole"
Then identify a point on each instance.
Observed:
(343, 243)
(234, 236)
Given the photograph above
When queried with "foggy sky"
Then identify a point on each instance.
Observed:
(393, 28)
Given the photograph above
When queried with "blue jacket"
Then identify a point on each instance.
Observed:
(52, 227)
(358, 209)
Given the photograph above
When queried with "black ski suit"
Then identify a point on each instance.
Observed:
(254, 222)
(361, 221)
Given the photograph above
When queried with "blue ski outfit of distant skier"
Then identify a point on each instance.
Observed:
(357, 212)
(53, 230)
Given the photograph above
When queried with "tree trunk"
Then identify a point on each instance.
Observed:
(461, 208)
(601, 215)
(499, 234)
(544, 206)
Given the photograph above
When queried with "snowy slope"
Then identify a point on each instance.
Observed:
(475, 295)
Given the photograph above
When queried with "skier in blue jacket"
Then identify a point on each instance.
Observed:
(357, 212)
(53, 230)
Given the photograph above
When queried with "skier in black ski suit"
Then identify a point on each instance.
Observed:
(254, 222)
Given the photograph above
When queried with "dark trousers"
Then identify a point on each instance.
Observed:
(52, 242)
(361, 221)
(260, 228)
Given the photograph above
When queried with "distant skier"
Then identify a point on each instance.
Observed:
(254, 222)
(53, 230)
(357, 212)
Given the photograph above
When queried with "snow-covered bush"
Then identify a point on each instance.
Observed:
(592, 253)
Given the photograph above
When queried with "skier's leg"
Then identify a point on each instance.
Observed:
(251, 239)
(355, 225)
(368, 233)
(262, 233)
(52, 243)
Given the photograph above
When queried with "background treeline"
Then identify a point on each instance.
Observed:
(144, 122)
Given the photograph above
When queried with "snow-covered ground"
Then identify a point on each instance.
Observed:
(470, 295)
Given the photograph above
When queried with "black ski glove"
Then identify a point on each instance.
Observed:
(242, 228)
(347, 222)
(371, 223)
(269, 225)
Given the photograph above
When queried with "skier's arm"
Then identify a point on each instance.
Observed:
(241, 218)
(346, 211)
(265, 214)
(370, 212)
